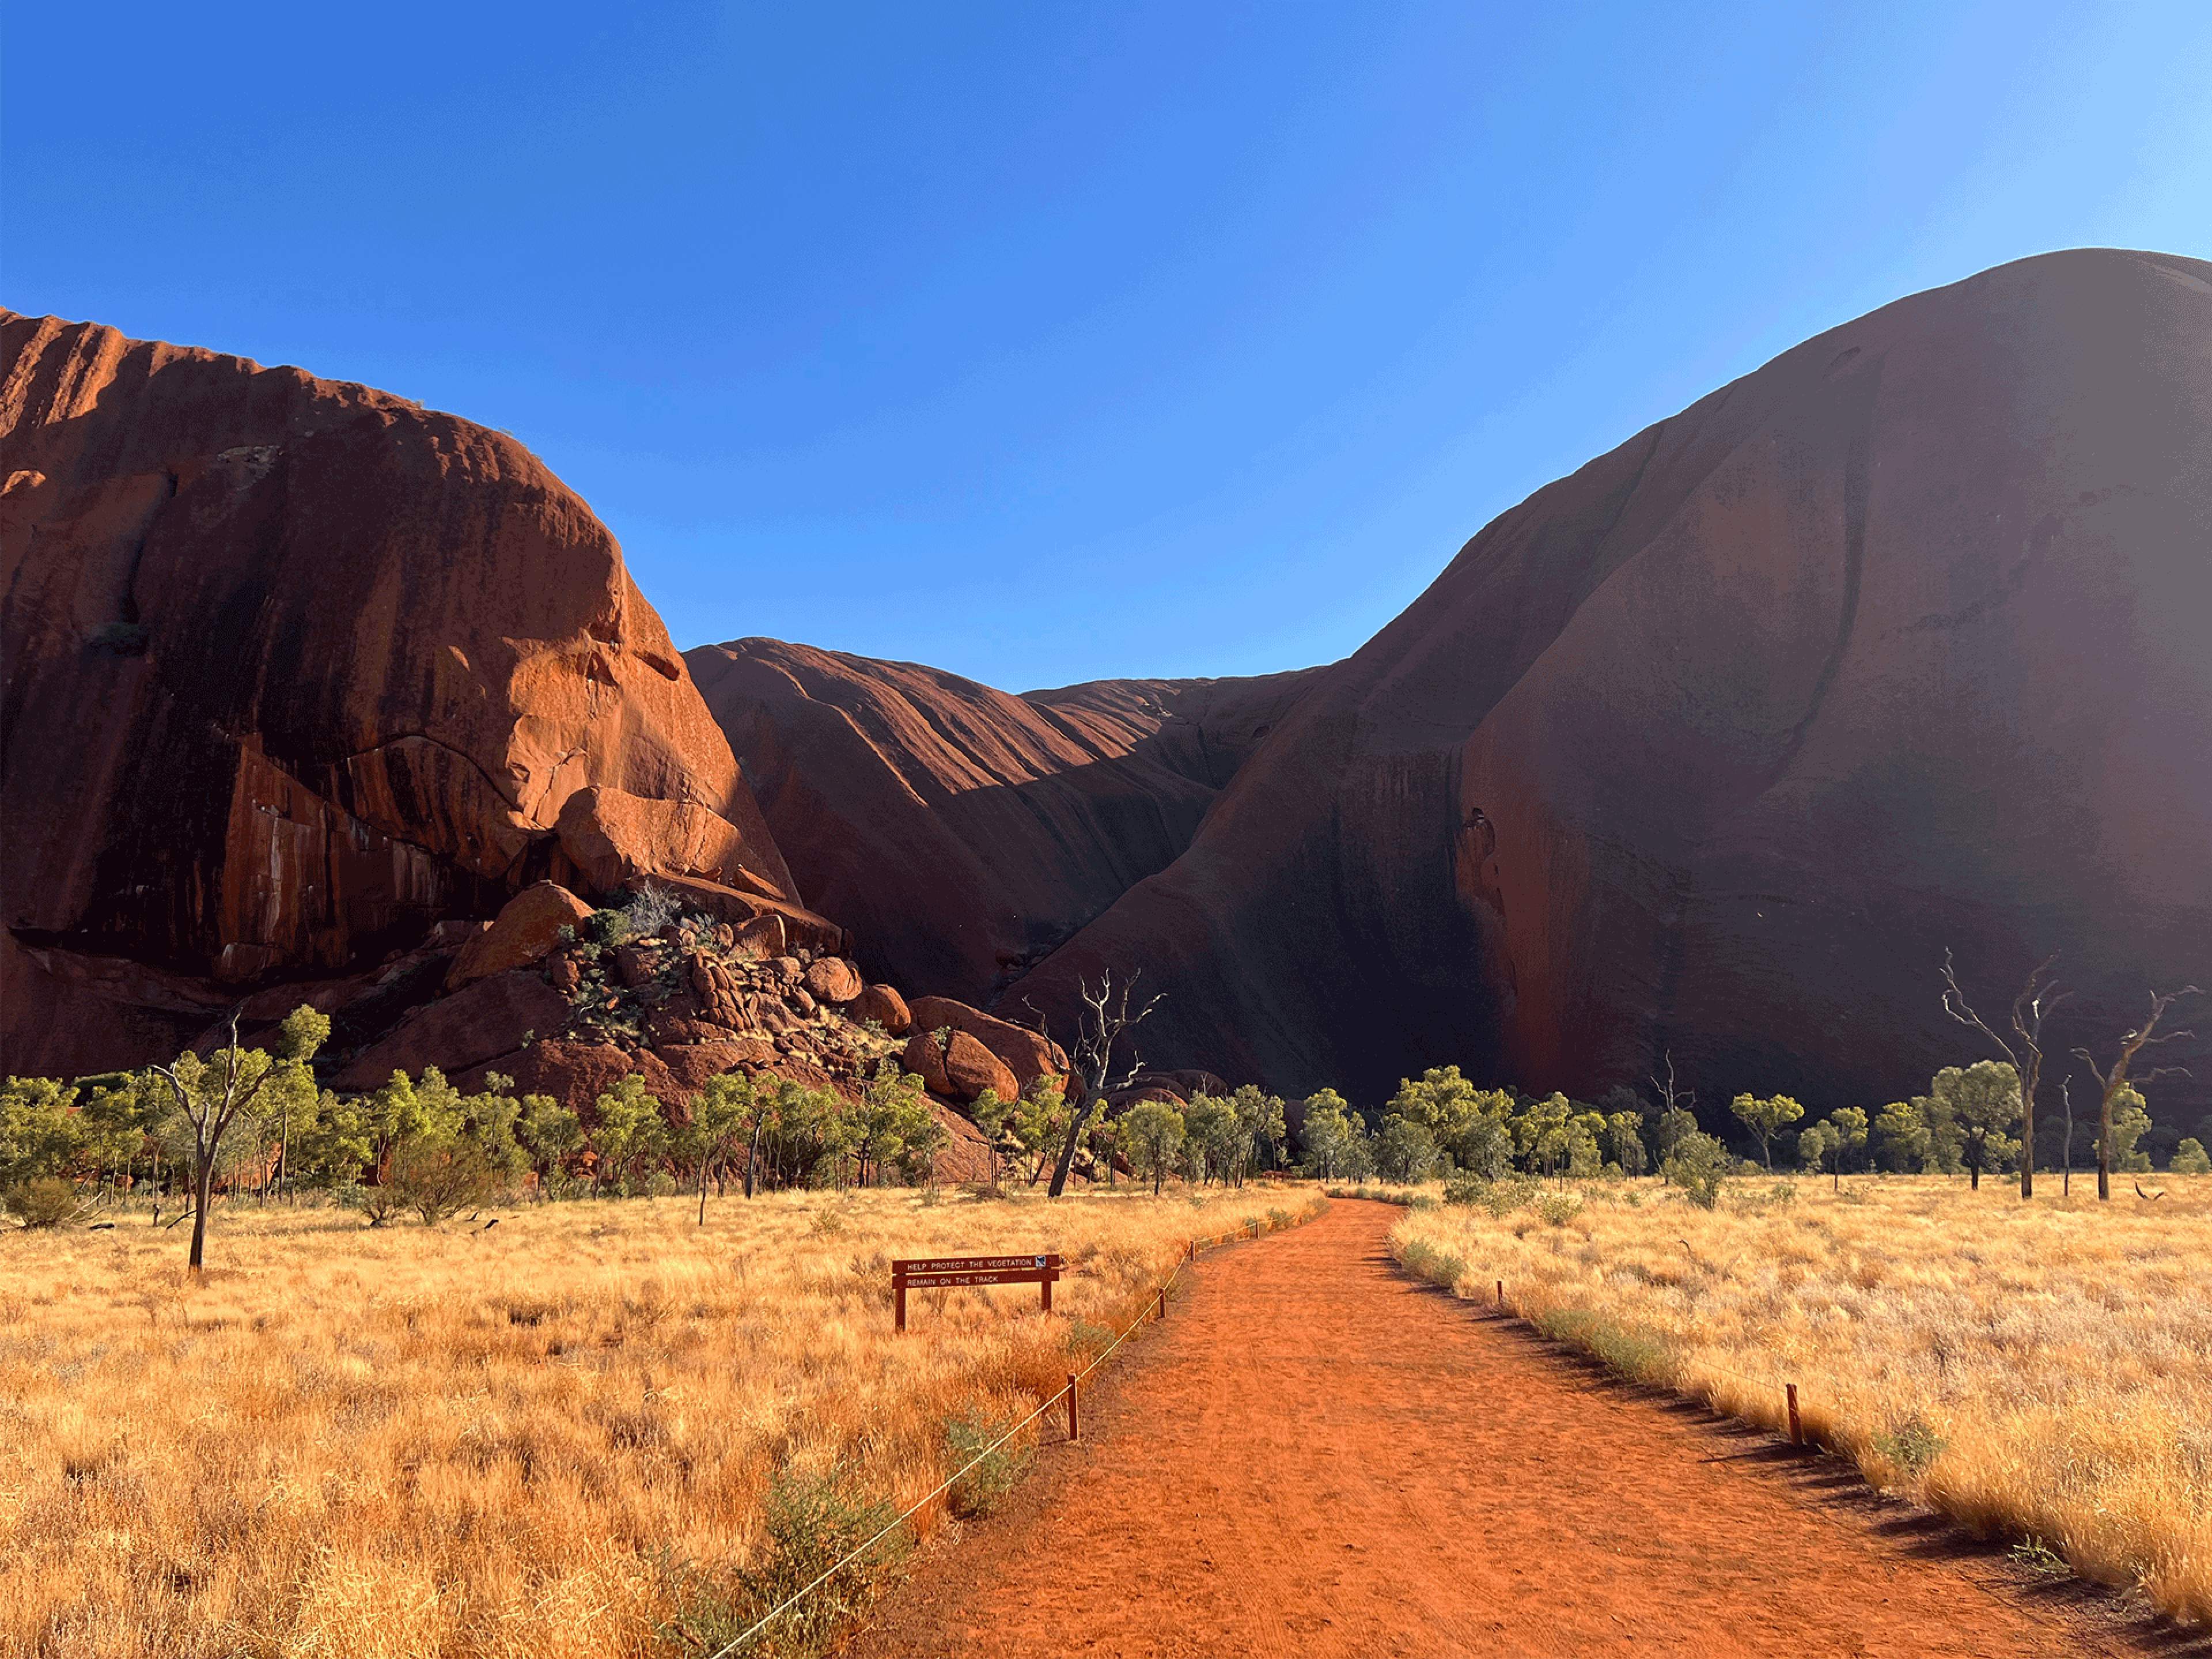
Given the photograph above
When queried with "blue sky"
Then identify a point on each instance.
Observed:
(1047, 342)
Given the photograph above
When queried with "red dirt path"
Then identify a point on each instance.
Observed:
(1315, 1456)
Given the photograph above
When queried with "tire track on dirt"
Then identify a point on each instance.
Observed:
(1317, 1457)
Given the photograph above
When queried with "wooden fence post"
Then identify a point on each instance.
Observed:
(1074, 1430)
(1161, 1312)
(899, 1294)
(1797, 1430)
(1501, 1296)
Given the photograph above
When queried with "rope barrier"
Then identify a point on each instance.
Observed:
(945, 1484)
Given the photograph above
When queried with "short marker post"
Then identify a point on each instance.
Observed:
(1796, 1429)
(1501, 1296)
(1074, 1431)
(1161, 1312)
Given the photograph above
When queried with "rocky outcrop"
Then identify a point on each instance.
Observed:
(294, 669)
(1026, 1054)
(1713, 748)
(961, 832)
(493, 1019)
(526, 931)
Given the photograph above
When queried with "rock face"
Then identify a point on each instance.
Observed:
(293, 669)
(961, 832)
(1899, 642)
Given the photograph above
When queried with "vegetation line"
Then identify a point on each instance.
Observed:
(2036, 1372)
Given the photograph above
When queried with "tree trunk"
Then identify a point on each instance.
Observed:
(203, 1194)
(2104, 1150)
(2027, 1137)
(1076, 1117)
(752, 1153)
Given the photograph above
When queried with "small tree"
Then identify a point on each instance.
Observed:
(1039, 1117)
(1212, 1123)
(1765, 1119)
(1981, 1103)
(213, 1096)
(1259, 1131)
(1849, 1123)
(1404, 1152)
(1152, 1132)
(1335, 1139)
(40, 1133)
(2114, 1077)
(721, 1115)
(1107, 1024)
(1699, 1164)
(631, 1129)
(2023, 1054)
(2190, 1159)
(1817, 1144)
(551, 1135)
(1622, 1137)
(992, 1115)
(1901, 1139)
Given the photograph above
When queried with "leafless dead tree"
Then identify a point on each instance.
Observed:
(1109, 1015)
(2115, 1078)
(2024, 1053)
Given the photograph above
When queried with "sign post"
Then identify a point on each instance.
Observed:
(1041, 1268)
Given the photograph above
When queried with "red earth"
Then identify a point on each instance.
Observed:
(1314, 1455)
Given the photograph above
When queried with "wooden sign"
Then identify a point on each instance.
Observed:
(946, 1273)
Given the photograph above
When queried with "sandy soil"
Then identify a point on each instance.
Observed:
(1314, 1455)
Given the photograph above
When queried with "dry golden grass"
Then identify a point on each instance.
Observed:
(411, 1442)
(2058, 1353)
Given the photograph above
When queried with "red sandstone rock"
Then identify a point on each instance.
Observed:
(757, 921)
(474, 1027)
(926, 1061)
(294, 669)
(577, 1074)
(970, 1068)
(526, 931)
(961, 831)
(883, 1006)
(1895, 644)
(1027, 1055)
(833, 980)
(690, 1064)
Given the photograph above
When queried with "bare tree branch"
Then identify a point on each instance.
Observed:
(2114, 1077)
(2025, 1053)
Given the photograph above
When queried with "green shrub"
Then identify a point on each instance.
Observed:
(1466, 1190)
(1912, 1445)
(607, 927)
(47, 1201)
(2191, 1158)
(1699, 1164)
(1556, 1209)
(995, 1471)
(1626, 1350)
(1425, 1260)
(809, 1523)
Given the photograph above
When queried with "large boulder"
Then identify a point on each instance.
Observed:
(1712, 749)
(1026, 1054)
(962, 832)
(526, 931)
(883, 1006)
(960, 1069)
(970, 1068)
(294, 669)
(832, 980)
